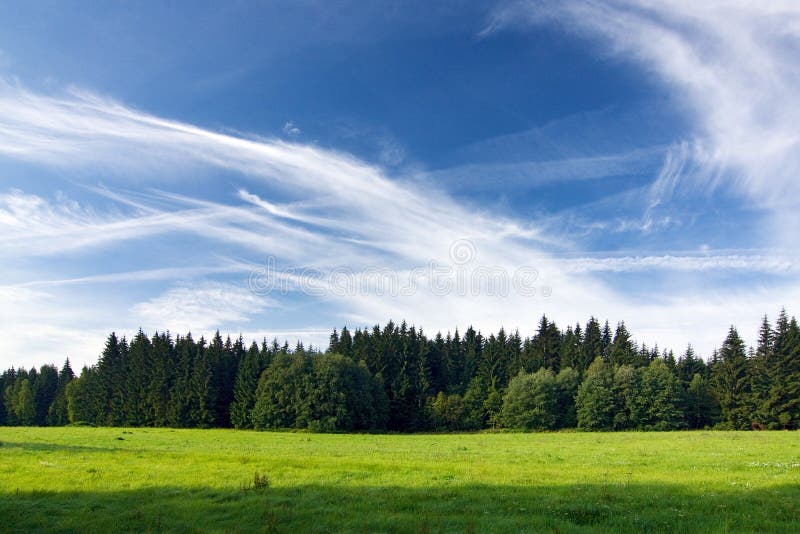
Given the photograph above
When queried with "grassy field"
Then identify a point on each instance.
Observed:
(139, 480)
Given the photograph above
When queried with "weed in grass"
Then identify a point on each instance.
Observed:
(260, 482)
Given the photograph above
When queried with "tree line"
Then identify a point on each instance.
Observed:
(396, 378)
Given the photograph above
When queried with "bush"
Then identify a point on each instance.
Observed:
(530, 401)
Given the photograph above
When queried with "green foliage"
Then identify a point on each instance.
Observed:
(24, 402)
(596, 403)
(396, 378)
(628, 398)
(661, 398)
(530, 401)
(730, 383)
(57, 413)
(701, 407)
(244, 388)
(567, 383)
(324, 393)
(80, 394)
(448, 411)
(622, 350)
(783, 404)
(284, 393)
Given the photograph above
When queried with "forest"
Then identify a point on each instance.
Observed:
(395, 378)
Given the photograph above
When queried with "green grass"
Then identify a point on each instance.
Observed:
(139, 480)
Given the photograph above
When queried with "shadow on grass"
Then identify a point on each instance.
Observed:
(57, 447)
(455, 508)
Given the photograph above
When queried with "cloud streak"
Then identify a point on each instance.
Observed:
(732, 64)
(334, 211)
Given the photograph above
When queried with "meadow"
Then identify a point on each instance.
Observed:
(80, 479)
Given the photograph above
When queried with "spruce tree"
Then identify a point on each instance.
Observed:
(108, 394)
(592, 344)
(567, 383)
(701, 409)
(244, 389)
(689, 365)
(731, 384)
(161, 379)
(57, 414)
(622, 350)
(759, 377)
(44, 389)
(4, 382)
(202, 387)
(784, 372)
(137, 381)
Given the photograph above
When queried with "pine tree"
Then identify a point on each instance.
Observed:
(731, 387)
(605, 340)
(759, 377)
(333, 342)
(701, 408)
(346, 343)
(689, 365)
(57, 414)
(784, 371)
(82, 392)
(161, 381)
(137, 381)
(108, 395)
(203, 405)
(13, 376)
(567, 383)
(622, 350)
(4, 382)
(571, 348)
(592, 344)
(181, 395)
(244, 389)
(44, 389)
(474, 404)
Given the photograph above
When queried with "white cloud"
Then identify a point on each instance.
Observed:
(343, 213)
(199, 307)
(773, 264)
(531, 174)
(733, 64)
(291, 130)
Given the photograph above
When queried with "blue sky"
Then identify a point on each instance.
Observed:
(155, 159)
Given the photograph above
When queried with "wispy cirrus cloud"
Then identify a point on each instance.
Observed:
(332, 211)
(771, 264)
(533, 174)
(731, 64)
